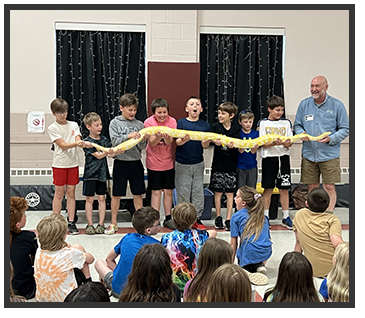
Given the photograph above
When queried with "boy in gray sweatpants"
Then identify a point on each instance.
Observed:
(189, 165)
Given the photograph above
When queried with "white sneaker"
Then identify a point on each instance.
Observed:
(111, 229)
(261, 269)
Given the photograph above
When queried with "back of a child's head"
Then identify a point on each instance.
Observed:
(245, 115)
(89, 118)
(214, 253)
(128, 100)
(88, 292)
(159, 102)
(184, 215)
(59, 105)
(295, 279)
(151, 276)
(338, 277)
(228, 107)
(275, 101)
(318, 200)
(229, 283)
(51, 232)
(144, 217)
(18, 206)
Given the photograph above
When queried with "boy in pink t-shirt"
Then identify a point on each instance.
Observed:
(160, 159)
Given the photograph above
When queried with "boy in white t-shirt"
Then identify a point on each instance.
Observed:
(160, 159)
(65, 136)
(276, 157)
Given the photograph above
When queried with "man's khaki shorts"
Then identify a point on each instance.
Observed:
(330, 171)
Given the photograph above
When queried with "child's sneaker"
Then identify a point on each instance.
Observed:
(258, 279)
(287, 223)
(90, 230)
(198, 225)
(111, 229)
(227, 223)
(100, 229)
(72, 228)
(169, 224)
(218, 223)
(261, 269)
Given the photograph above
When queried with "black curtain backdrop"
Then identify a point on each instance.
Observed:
(95, 68)
(243, 69)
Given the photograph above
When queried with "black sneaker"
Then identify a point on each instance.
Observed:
(72, 228)
(218, 223)
(228, 225)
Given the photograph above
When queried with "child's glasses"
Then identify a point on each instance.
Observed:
(61, 113)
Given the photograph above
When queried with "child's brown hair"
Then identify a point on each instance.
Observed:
(128, 100)
(229, 283)
(246, 114)
(275, 101)
(144, 217)
(59, 105)
(228, 107)
(184, 215)
(159, 102)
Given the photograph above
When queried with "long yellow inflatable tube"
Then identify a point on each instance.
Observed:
(199, 135)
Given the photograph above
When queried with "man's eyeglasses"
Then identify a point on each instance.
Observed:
(61, 113)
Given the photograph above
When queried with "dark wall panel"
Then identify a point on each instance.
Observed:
(175, 82)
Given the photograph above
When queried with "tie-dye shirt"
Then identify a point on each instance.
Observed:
(54, 273)
(183, 249)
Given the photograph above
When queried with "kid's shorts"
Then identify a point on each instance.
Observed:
(65, 176)
(92, 187)
(276, 172)
(124, 171)
(158, 180)
(223, 182)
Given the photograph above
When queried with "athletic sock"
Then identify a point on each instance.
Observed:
(168, 217)
(266, 213)
(285, 214)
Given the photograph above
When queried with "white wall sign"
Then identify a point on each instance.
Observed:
(36, 121)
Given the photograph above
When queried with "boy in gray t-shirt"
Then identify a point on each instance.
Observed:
(128, 165)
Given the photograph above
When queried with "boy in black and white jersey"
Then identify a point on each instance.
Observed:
(276, 157)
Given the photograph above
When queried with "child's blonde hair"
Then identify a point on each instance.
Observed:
(184, 215)
(51, 232)
(89, 118)
(229, 283)
(255, 206)
(338, 277)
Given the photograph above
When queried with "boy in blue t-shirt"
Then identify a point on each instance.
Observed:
(189, 164)
(246, 162)
(146, 222)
